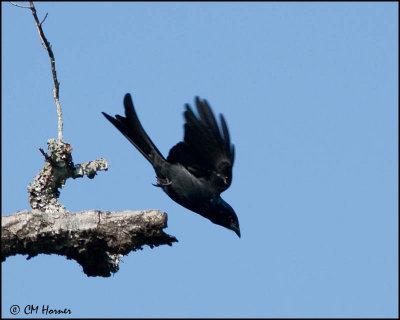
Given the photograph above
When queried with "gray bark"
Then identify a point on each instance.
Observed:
(97, 240)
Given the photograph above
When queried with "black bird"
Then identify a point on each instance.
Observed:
(197, 169)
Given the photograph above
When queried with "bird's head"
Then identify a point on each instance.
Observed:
(224, 215)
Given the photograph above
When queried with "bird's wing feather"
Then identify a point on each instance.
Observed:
(206, 150)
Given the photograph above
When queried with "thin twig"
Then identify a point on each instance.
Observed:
(47, 46)
(19, 6)
(47, 157)
(44, 154)
(44, 18)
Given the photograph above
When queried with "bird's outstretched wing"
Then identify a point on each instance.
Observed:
(206, 150)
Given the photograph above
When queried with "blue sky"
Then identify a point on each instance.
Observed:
(309, 91)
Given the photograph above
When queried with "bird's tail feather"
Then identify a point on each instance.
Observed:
(132, 129)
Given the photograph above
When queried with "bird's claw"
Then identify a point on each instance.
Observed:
(162, 182)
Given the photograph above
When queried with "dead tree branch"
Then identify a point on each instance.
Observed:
(96, 240)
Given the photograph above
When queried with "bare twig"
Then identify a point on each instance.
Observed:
(19, 6)
(46, 156)
(47, 46)
(45, 17)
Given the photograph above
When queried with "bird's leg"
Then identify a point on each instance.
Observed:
(162, 182)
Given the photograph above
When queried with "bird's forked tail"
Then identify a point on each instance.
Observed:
(132, 129)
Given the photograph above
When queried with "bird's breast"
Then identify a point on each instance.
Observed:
(186, 189)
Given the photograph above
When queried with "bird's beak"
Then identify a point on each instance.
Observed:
(237, 231)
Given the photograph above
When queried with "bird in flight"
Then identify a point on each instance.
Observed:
(197, 169)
